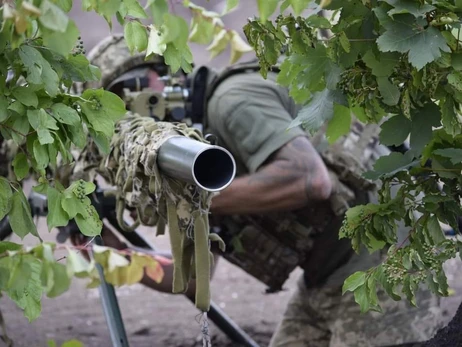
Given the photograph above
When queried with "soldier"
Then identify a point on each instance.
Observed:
(286, 205)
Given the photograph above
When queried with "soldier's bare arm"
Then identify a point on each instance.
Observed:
(292, 177)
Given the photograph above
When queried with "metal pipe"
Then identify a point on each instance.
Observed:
(210, 167)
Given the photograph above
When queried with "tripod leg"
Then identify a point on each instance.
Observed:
(111, 309)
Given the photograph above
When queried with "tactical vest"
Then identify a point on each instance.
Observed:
(270, 246)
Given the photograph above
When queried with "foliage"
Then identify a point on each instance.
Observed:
(397, 63)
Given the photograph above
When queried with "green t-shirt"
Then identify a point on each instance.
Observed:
(250, 117)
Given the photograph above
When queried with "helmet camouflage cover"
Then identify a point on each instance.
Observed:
(113, 58)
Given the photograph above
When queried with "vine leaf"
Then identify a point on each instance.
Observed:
(404, 36)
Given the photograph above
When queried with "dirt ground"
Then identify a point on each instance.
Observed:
(157, 319)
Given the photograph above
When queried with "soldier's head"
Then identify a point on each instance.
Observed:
(140, 82)
(120, 69)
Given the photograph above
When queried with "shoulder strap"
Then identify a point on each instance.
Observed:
(202, 94)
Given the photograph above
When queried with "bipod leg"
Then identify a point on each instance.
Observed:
(215, 314)
(111, 308)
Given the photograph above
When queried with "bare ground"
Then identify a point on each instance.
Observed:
(157, 319)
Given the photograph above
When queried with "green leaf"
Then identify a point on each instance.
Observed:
(57, 216)
(5, 197)
(230, 5)
(65, 114)
(202, 30)
(20, 166)
(266, 8)
(39, 70)
(72, 343)
(423, 121)
(158, 9)
(9, 246)
(3, 108)
(416, 9)
(41, 155)
(451, 123)
(102, 142)
(456, 60)
(76, 265)
(387, 166)
(390, 93)
(77, 135)
(26, 96)
(102, 109)
(455, 80)
(344, 42)
(136, 36)
(134, 9)
(316, 21)
(318, 110)
(62, 43)
(65, 5)
(434, 230)
(20, 216)
(155, 43)
(172, 57)
(53, 17)
(354, 281)
(28, 292)
(362, 298)
(340, 124)
(89, 226)
(61, 282)
(423, 46)
(455, 154)
(395, 131)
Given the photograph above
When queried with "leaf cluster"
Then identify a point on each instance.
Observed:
(28, 273)
(395, 63)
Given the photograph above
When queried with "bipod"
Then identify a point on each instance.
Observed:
(111, 308)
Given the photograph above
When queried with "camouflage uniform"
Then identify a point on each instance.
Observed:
(250, 116)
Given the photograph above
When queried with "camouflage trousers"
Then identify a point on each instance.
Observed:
(322, 317)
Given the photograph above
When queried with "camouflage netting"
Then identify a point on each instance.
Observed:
(132, 169)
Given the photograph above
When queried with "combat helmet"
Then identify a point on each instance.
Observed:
(112, 56)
